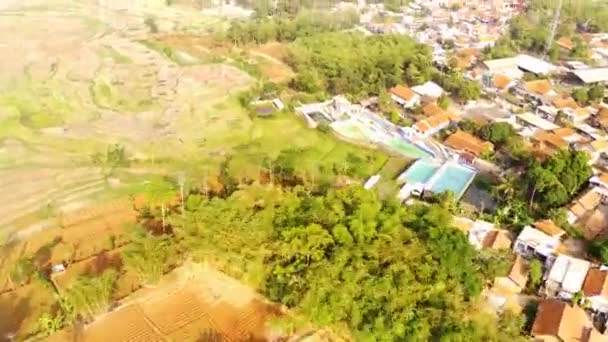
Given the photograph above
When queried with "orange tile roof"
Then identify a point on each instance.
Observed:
(551, 139)
(497, 239)
(431, 109)
(549, 227)
(594, 224)
(564, 132)
(602, 117)
(464, 141)
(422, 126)
(603, 178)
(501, 81)
(565, 43)
(566, 102)
(562, 320)
(432, 122)
(540, 87)
(402, 92)
(519, 272)
(438, 120)
(596, 283)
(590, 199)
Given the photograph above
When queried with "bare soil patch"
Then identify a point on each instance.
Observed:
(192, 303)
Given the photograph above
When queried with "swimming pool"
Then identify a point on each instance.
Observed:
(451, 177)
(420, 172)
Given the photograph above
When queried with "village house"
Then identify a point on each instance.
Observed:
(595, 149)
(566, 276)
(591, 76)
(514, 67)
(462, 141)
(568, 134)
(563, 103)
(601, 119)
(589, 132)
(560, 321)
(432, 125)
(502, 82)
(589, 213)
(518, 275)
(601, 181)
(430, 90)
(535, 122)
(533, 242)
(550, 228)
(578, 115)
(484, 234)
(404, 96)
(537, 90)
(544, 144)
(595, 289)
(431, 109)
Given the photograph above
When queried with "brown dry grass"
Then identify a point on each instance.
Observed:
(274, 49)
(273, 65)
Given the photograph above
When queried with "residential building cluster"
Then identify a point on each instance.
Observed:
(446, 24)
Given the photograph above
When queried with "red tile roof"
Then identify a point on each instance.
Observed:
(561, 320)
(402, 92)
(549, 228)
(596, 283)
(463, 141)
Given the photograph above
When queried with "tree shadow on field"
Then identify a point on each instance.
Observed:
(103, 262)
(44, 253)
(13, 311)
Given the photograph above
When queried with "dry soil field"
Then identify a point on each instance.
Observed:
(192, 303)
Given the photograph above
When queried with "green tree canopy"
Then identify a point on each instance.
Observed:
(355, 64)
(499, 133)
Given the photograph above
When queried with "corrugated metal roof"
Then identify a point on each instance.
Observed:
(592, 75)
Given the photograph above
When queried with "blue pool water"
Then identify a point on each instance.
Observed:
(452, 177)
(420, 172)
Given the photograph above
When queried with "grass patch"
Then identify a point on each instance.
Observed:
(37, 106)
(117, 57)
(177, 56)
(387, 185)
(106, 95)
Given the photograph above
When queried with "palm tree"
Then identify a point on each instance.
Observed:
(506, 190)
